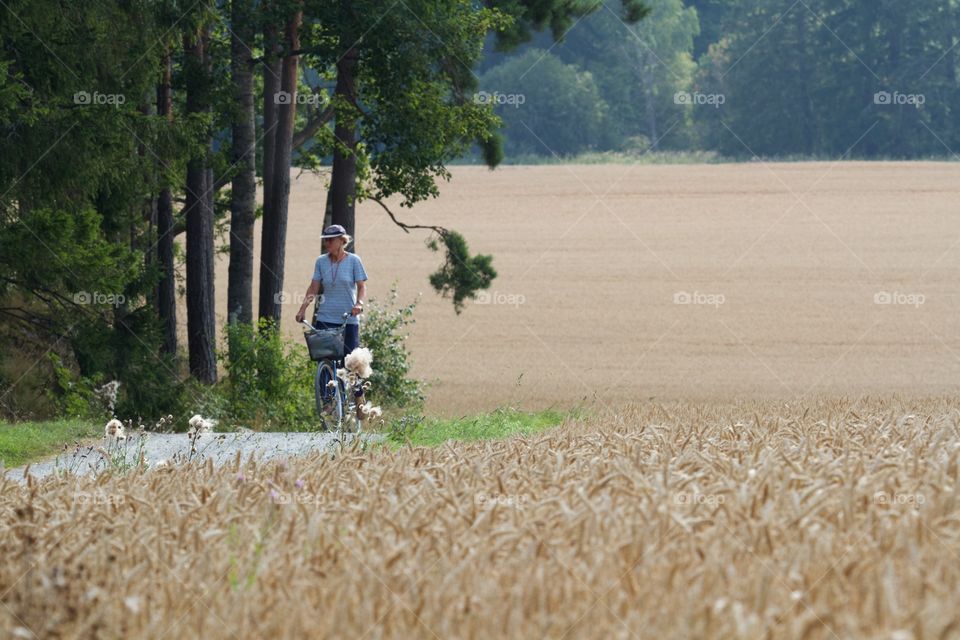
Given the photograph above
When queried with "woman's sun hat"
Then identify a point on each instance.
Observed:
(333, 231)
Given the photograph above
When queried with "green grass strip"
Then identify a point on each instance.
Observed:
(502, 423)
(25, 442)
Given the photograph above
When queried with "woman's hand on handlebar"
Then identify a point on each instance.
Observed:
(300, 315)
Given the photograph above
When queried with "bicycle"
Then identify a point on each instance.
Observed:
(326, 348)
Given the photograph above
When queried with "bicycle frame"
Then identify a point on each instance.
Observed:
(341, 400)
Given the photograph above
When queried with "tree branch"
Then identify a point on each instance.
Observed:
(406, 227)
(312, 126)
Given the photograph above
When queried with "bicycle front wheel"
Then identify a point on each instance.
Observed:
(329, 398)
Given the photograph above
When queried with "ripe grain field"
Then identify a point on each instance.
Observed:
(786, 260)
(761, 519)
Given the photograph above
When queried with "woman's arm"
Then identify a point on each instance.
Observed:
(361, 297)
(312, 291)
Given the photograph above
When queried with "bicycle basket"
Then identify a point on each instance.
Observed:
(325, 343)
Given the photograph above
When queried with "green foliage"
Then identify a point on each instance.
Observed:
(461, 275)
(73, 395)
(269, 383)
(80, 160)
(559, 17)
(796, 80)
(809, 87)
(638, 69)
(546, 106)
(383, 332)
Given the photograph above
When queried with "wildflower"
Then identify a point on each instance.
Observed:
(107, 394)
(367, 411)
(358, 362)
(200, 425)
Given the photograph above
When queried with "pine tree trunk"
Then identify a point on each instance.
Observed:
(275, 228)
(166, 289)
(201, 324)
(648, 88)
(343, 180)
(243, 198)
(271, 89)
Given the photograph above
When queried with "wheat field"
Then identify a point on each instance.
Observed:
(761, 519)
(785, 260)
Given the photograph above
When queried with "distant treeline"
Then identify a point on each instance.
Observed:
(827, 78)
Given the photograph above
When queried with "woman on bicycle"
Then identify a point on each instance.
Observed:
(344, 284)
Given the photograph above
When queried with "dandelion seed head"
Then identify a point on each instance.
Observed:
(358, 362)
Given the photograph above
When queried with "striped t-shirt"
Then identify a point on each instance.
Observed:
(340, 295)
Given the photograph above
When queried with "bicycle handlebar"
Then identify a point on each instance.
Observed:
(312, 328)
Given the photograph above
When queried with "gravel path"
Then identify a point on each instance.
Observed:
(170, 448)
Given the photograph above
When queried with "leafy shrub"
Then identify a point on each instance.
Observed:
(269, 381)
(383, 333)
(73, 395)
